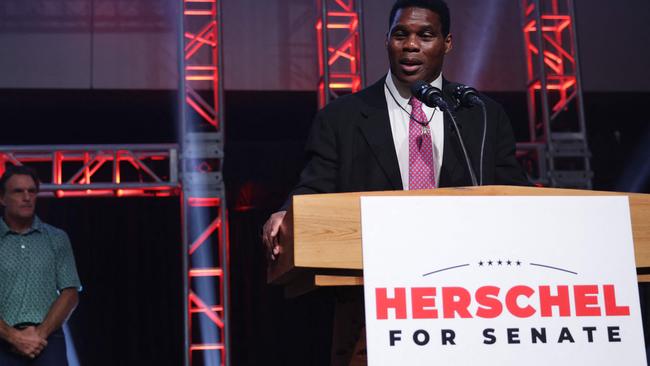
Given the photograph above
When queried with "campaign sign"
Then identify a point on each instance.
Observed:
(500, 281)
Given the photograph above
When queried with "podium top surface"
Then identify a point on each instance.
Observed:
(322, 232)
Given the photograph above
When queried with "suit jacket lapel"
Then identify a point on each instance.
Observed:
(375, 126)
(453, 162)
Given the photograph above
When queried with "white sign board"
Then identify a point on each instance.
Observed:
(500, 281)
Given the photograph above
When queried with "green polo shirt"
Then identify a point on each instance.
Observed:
(34, 267)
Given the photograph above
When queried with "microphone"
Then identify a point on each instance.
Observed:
(429, 95)
(464, 95)
(432, 97)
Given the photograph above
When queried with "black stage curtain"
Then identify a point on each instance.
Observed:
(128, 254)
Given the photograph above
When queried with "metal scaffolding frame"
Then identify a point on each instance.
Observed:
(99, 170)
(557, 153)
(205, 233)
(340, 49)
(557, 150)
(159, 170)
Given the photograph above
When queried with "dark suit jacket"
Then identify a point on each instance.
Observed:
(351, 147)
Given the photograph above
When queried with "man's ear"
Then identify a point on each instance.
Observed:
(448, 43)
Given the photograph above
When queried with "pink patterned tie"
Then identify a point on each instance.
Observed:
(421, 168)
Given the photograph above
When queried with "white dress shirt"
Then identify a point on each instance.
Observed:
(399, 125)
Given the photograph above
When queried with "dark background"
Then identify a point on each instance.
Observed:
(104, 71)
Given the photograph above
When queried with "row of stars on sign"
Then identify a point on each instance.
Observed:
(499, 263)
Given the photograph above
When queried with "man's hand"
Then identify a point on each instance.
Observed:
(28, 342)
(270, 234)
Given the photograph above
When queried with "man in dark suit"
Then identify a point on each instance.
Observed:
(382, 138)
(368, 141)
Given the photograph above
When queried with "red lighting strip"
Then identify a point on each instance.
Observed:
(198, 306)
(206, 347)
(346, 6)
(57, 169)
(85, 170)
(205, 37)
(563, 86)
(73, 156)
(216, 224)
(91, 171)
(116, 167)
(200, 110)
(198, 12)
(204, 202)
(206, 272)
(212, 308)
(163, 191)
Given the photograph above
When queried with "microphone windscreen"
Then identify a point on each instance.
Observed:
(418, 88)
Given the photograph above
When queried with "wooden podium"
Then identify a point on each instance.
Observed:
(321, 234)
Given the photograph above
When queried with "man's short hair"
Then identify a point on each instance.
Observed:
(17, 170)
(437, 6)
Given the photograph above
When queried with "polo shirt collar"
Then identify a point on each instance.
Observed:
(37, 225)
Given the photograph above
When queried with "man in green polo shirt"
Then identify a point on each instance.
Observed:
(38, 278)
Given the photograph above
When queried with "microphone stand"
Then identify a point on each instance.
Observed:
(472, 175)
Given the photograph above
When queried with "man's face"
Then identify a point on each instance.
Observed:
(416, 46)
(19, 198)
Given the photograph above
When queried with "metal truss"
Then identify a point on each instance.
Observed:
(157, 170)
(99, 170)
(340, 48)
(557, 153)
(205, 234)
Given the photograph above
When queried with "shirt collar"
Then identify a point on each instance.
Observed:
(404, 99)
(37, 225)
